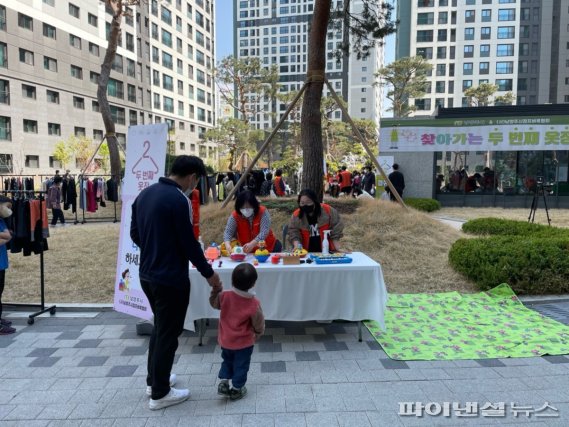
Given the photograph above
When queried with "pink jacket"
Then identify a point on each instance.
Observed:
(241, 320)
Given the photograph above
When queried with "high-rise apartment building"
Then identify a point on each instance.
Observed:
(50, 57)
(277, 32)
(519, 45)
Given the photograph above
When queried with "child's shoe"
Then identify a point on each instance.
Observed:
(6, 330)
(237, 393)
(223, 388)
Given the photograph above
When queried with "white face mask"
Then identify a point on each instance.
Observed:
(247, 212)
(5, 212)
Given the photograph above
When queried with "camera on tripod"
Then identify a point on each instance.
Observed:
(539, 180)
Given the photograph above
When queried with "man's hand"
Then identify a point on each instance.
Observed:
(215, 282)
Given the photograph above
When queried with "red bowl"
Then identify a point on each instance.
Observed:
(238, 257)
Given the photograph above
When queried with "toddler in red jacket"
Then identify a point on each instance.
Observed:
(241, 322)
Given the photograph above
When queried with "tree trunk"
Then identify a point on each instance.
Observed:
(311, 120)
(106, 66)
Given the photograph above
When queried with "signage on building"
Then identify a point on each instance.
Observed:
(475, 134)
(145, 162)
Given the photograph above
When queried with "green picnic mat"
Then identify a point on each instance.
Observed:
(451, 326)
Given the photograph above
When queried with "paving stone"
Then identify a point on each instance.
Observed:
(491, 363)
(335, 346)
(92, 343)
(273, 367)
(270, 347)
(196, 349)
(57, 411)
(24, 412)
(304, 356)
(393, 364)
(556, 359)
(321, 420)
(351, 419)
(43, 362)
(42, 352)
(69, 335)
(134, 351)
(295, 404)
(270, 405)
(93, 361)
(122, 371)
(290, 420)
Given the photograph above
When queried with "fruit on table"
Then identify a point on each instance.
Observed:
(300, 252)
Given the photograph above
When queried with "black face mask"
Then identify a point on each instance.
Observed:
(307, 209)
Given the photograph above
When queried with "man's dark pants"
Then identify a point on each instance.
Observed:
(169, 305)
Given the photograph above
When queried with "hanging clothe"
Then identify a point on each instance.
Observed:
(112, 191)
(91, 197)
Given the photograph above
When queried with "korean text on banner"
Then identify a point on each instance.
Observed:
(145, 162)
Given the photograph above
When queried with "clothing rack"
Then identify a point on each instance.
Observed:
(81, 178)
(9, 175)
(42, 308)
(44, 177)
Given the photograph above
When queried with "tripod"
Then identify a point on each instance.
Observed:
(539, 191)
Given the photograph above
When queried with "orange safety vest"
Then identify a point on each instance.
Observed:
(278, 190)
(305, 234)
(195, 199)
(346, 179)
(247, 231)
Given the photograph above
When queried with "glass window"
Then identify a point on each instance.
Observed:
(30, 126)
(504, 84)
(486, 15)
(425, 18)
(505, 50)
(424, 36)
(485, 33)
(49, 31)
(467, 68)
(484, 50)
(506, 14)
(469, 34)
(506, 32)
(468, 51)
(506, 67)
(441, 52)
(74, 10)
(25, 21)
(484, 68)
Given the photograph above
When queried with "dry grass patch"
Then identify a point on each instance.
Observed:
(80, 264)
(559, 217)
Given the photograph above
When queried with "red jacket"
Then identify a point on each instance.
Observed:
(279, 186)
(305, 234)
(247, 231)
(195, 199)
(346, 179)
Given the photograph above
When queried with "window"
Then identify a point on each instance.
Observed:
(54, 129)
(5, 128)
(440, 87)
(52, 96)
(49, 64)
(167, 60)
(29, 91)
(425, 52)
(4, 92)
(441, 70)
(97, 134)
(168, 104)
(95, 106)
(167, 82)
(74, 41)
(73, 10)
(469, 34)
(504, 84)
(423, 104)
(77, 72)
(93, 49)
(425, 3)
(26, 57)
(156, 100)
(506, 14)
(166, 16)
(505, 50)
(485, 33)
(30, 126)
(25, 21)
(469, 16)
(129, 42)
(130, 68)
(115, 89)
(182, 144)
(506, 1)
(484, 68)
(118, 115)
(94, 77)
(166, 38)
(441, 52)
(3, 18)
(425, 36)
(486, 15)
(506, 32)
(484, 50)
(93, 20)
(49, 31)
(470, 2)
(49, 2)
(466, 84)
(469, 51)
(131, 92)
(523, 67)
(467, 68)
(443, 17)
(33, 162)
(522, 84)
(525, 14)
(506, 67)
(79, 102)
(425, 18)
(79, 131)
(442, 35)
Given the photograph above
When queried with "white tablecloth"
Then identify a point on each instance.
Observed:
(354, 291)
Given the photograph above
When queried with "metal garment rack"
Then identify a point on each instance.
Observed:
(43, 309)
(44, 177)
(9, 176)
(102, 219)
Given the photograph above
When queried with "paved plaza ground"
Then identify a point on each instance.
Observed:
(88, 369)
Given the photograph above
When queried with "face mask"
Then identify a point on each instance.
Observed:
(307, 209)
(247, 212)
(5, 211)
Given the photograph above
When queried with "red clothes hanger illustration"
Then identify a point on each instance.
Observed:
(146, 156)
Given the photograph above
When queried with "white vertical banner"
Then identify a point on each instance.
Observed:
(145, 163)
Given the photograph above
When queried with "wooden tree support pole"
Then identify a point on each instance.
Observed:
(93, 156)
(264, 146)
(362, 140)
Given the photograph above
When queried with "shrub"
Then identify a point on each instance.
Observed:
(425, 205)
(507, 227)
(530, 265)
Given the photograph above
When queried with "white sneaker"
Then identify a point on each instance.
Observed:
(174, 397)
(173, 380)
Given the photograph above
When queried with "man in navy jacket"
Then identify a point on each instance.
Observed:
(161, 227)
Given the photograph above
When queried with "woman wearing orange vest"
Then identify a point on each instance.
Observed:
(250, 223)
(279, 184)
(308, 223)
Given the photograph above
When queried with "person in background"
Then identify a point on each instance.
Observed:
(54, 201)
(161, 227)
(5, 237)
(345, 181)
(229, 183)
(397, 180)
(279, 184)
(241, 323)
(250, 223)
(267, 185)
(368, 181)
(356, 184)
(308, 223)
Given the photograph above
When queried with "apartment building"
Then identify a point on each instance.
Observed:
(277, 32)
(50, 57)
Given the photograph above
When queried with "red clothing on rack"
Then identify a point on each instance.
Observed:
(91, 197)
